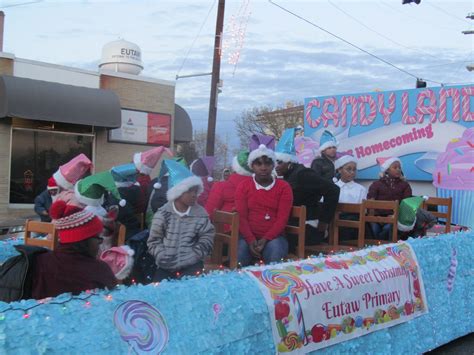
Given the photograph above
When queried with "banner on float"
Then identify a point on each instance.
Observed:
(318, 302)
(415, 124)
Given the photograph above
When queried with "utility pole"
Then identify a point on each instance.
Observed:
(470, 15)
(216, 68)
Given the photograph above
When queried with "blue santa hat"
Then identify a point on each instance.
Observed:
(327, 140)
(180, 179)
(285, 149)
(124, 175)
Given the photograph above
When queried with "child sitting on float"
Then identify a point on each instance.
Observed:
(391, 186)
(181, 234)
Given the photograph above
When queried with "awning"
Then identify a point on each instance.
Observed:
(183, 127)
(46, 101)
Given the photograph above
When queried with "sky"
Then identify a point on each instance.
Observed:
(281, 57)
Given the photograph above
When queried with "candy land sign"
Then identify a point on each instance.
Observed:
(318, 302)
(416, 125)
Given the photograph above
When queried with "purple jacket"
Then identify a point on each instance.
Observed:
(389, 189)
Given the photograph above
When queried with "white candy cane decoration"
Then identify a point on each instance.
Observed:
(348, 100)
(386, 111)
(299, 317)
(443, 98)
(452, 270)
(406, 118)
(328, 115)
(364, 119)
(467, 115)
(312, 123)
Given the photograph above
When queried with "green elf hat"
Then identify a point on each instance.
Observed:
(240, 163)
(407, 212)
(91, 189)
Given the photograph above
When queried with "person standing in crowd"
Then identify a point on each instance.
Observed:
(391, 186)
(203, 167)
(308, 188)
(324, 164)
(73, 266)
(145, 162)
(222, 194)
(44, 200)
(225, 174)
(264, 204)
(181, 234)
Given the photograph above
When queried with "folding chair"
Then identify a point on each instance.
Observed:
(41, 227)
(446, 205)
(227, 232)
(298, 213)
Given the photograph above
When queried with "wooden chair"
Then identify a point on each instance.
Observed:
(446, 203)
(334, 244)
(298, 213)
(122, 231)
(44, 228)
(369, 207)
(227, 232)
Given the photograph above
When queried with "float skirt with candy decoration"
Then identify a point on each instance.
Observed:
(225, 312)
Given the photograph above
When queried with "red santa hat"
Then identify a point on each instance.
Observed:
(120, 260)
(68, 174)
(73, 223)
(386, 162)
(145, 162)
(52, 185)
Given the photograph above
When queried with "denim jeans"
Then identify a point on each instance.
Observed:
(381, 231)
(274, 251)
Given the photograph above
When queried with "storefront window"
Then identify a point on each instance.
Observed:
(36, 155)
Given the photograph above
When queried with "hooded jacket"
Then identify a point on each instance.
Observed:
(176, 242)
(308, 187)
(324, 167)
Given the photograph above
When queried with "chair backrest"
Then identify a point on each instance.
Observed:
(390, 209)
(227, 232)
(345, 208)
(122, 231)
(446, 205)
(298, 213)
(47, 228)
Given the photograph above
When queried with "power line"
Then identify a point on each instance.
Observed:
(21, 4)
(195, 38)
(353, 45)
(447, 13)
(378, 33)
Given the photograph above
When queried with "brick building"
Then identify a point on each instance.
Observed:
(50, 113)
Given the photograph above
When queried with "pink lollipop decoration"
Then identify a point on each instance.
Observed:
(142, 326)
(217, 309)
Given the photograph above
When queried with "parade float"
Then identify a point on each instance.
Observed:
(408, 297)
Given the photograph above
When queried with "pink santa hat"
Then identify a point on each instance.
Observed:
(68, 174)
(386, 162)
(145, 162)
(119, 259)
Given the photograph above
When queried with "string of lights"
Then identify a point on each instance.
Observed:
(356, 46)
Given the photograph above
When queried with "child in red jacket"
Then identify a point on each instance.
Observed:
(391, 186)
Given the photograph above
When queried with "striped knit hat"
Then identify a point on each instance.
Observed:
(73, 223)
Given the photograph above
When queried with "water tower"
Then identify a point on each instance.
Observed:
(121, 56)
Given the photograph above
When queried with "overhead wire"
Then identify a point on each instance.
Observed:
(446, 12)
(195, 38)
(378, 33)
(354, 45)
